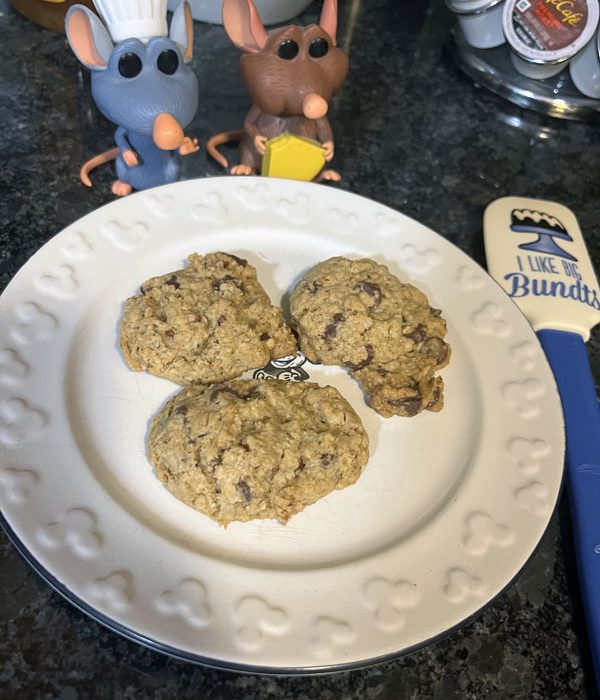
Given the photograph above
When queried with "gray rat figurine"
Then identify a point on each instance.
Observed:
(142, 84)
(291, 75)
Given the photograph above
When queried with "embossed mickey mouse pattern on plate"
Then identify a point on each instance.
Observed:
(438, 527)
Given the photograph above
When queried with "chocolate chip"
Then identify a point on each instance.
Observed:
(239, 261)
(245, 446)
(225, 390)
(362, 363)
(373, 290)
(197, 318)
(435, 312)
(226, 280)
(170, 333)
(331, 330)
(244, 490)
(221, 320)
(181, 410)
(314, 287)
(264, 336)
(300, 467)
(218, 461)
(409, 404)
(417, 334)
(173, 282)
(327, 459)
(437, 395)
(436, 348)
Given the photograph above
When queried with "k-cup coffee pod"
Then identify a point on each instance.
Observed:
(480, 21)
(545, 34)
(585, 68)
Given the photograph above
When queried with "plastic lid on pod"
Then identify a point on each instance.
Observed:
(471, 7)
(549, 31)
(585, 69)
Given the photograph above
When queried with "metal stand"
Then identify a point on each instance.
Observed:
(493, 69)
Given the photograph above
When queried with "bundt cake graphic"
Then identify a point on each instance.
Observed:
(547, 227)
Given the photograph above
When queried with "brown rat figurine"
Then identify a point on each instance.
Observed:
(291, 75)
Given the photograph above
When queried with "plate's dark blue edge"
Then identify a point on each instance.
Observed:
(217, 664)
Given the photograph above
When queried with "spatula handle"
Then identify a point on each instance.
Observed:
(568, 358)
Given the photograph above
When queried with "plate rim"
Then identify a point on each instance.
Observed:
(247, 669)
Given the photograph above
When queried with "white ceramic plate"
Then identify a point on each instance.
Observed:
(447, 511)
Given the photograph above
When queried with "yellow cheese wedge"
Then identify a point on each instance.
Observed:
(293, 157)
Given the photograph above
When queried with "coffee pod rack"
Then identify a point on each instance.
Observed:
(543, 55)
(493, 69)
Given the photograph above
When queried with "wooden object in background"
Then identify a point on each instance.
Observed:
(47, 13)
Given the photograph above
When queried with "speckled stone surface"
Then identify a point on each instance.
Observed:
(412, 133)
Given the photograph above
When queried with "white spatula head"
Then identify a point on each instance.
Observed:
(535, 250)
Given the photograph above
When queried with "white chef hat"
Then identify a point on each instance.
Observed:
(140, 19)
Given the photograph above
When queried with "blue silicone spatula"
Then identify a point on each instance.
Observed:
(536, 252)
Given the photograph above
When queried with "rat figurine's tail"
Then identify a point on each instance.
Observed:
(219, 140)
(94, 162)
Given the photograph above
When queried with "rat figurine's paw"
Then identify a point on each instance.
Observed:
(260, 143)
(188, 146)
(130, 159)
(242, 170)
(328, 151)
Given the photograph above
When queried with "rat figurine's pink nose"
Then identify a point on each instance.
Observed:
(166, 132)
(314, 106)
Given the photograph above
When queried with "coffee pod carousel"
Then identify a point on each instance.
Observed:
(540, 54)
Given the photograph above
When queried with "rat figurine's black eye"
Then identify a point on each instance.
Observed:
(167, 62)
(130, 65)
(318, 48)
(288, 49)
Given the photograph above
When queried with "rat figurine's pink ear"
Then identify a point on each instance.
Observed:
(88, 38)
(182, 30)
(328, 20)
(243, 25)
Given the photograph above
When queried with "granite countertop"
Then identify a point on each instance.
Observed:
(412, 133)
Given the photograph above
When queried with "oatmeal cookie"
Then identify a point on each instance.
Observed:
(357, 314)
(208, 322)
(247, 449)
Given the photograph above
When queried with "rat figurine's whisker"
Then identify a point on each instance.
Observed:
(353, 17)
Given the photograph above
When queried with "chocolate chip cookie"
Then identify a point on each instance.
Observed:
(357, 314)
(208, 322)
(247, 449)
